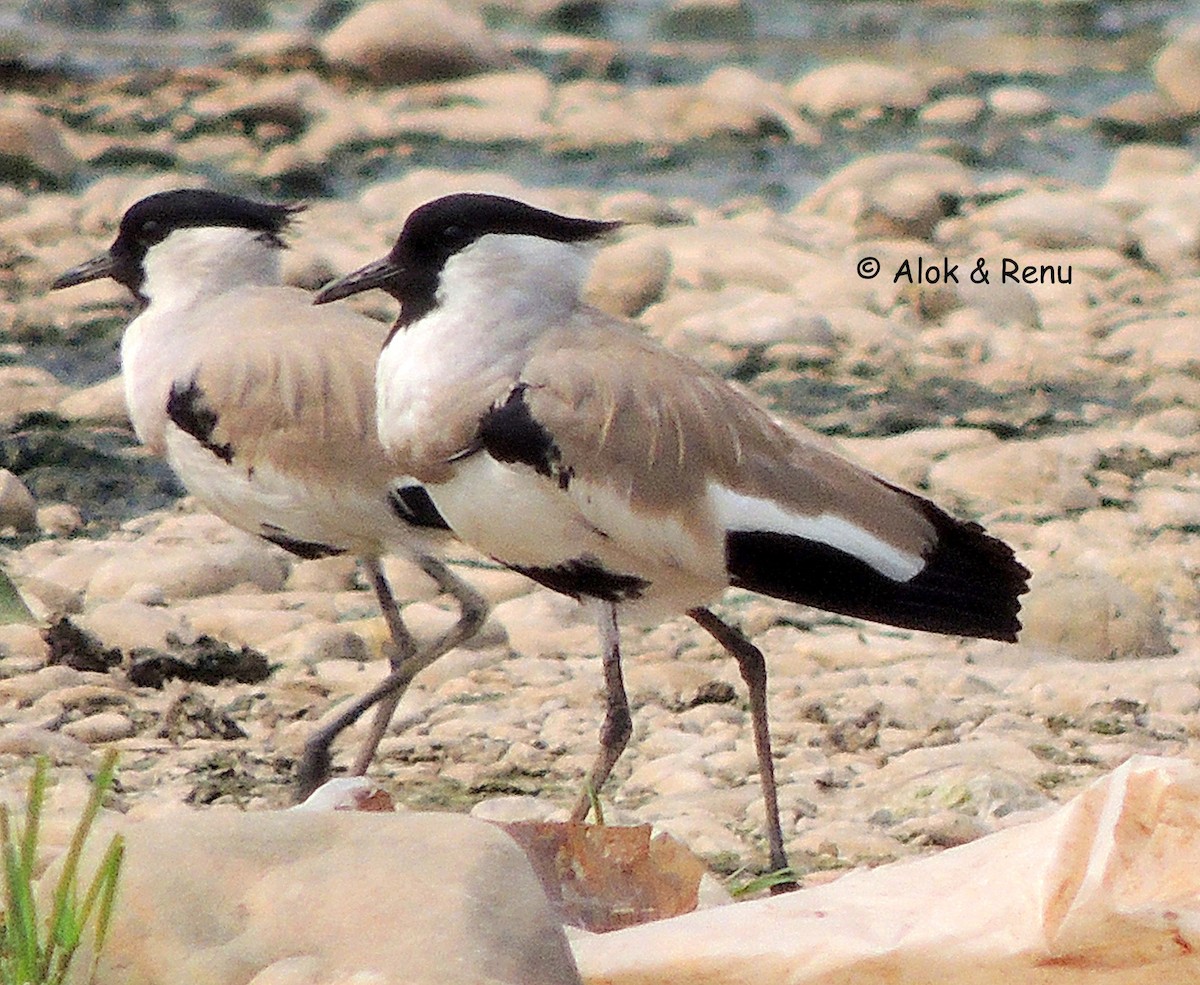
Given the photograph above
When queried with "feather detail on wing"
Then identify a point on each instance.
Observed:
(297, 393)
(676, 470)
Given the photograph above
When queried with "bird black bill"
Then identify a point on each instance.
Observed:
(96, 268)
(366, 278)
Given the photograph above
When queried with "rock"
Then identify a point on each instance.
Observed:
(27, 741)
(18, 509)
(59, 519)
(491, 108)
(1168, 234)
(282, 897)
(101, 403)
(628, 277)
(862, 89)
(1157, 345)
(953, 111)
(22, 648)
(887, 195)
(396, 42)
(1177, 72)
(210, 557)
(1175, 508)
(733, 100)
(286, 102)
(1088, 615)
(127, 624)
(27, 390)
(32, 145)
(1043, 478)
(937, 928)
(1143, 116)
(1140, 173)
(762, 319)
(275, 50)
(588, 114)
(707, 19)
(105, 726)
(520, 807)
(1019, 104)
(906, 458)
(543, 623)
(1054, 220)
(318, 641)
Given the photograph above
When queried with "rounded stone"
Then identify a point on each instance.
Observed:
(857, 87)
(18, 509)
(104, 726)
(395, 42)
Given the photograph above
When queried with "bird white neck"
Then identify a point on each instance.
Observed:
(193, 265)
(513, 283)
(188, 268)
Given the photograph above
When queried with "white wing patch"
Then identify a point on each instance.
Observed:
(737, 511)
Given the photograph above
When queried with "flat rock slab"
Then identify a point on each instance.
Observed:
(1105, 891)
(312, 898)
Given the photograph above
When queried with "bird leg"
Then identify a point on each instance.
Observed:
(473, 610)
(618, 725)
(406, 662)
(754, 672)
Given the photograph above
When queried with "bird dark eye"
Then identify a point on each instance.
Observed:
(452, 233)
(151, 232)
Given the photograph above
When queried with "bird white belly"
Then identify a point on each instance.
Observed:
(258, 499)
(524, 520)
(513, 514)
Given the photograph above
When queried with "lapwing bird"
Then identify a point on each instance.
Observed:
(265, 408)
(570, 447)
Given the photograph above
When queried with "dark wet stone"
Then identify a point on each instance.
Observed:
(79, 649)
(714, 693)
(206, 661)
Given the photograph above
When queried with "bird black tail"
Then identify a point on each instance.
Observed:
(970, 585)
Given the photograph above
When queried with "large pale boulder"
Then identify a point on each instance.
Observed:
(1055, 220)
(17, 506)
(1102, 892)
(318, 898)
(189, 557)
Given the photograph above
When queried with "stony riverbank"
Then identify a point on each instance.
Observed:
(1058, 405)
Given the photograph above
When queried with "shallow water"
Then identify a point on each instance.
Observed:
(1081, 54)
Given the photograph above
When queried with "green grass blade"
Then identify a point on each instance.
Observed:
(768, 880)
(20, 918)
(65, 899)
(33, 952)
(102, 889)
(110, 869)
(34, 801)
(12, 606)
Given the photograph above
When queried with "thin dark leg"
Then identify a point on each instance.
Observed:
(754, 673)
(473, 610)
(406, 662)
(618, 725)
